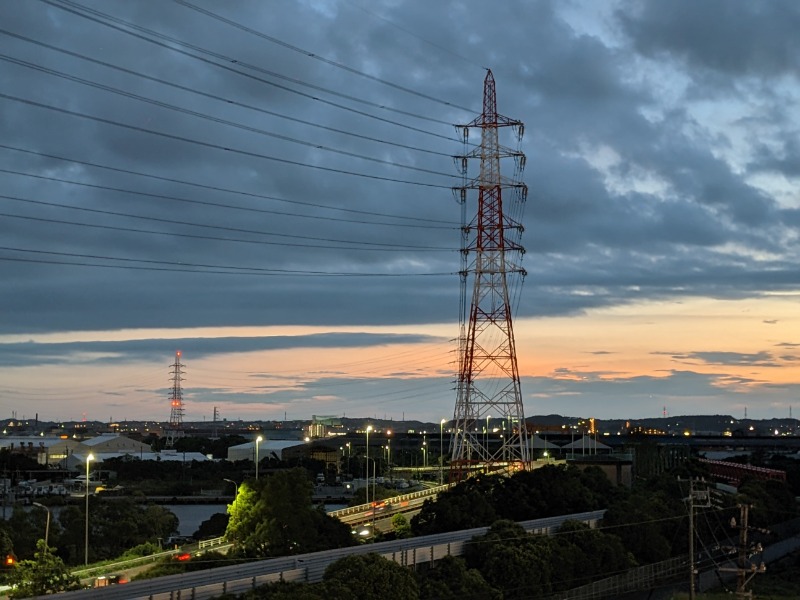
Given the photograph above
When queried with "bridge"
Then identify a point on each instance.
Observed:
(382, 509)
(734, 473)
(237, 579)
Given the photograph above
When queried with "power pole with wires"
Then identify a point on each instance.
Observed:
(746, 569)
(488, 385)
(698, 498)
(175, 428)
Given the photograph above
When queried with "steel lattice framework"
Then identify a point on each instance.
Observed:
(175, 429)
(488, 386)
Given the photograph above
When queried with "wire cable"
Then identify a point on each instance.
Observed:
(217, 189)
(328, 61)
(216, 146)
(212, 118)
(77, 8)
(212, 269)
(229, 101)
(218, 204)
(386, 248)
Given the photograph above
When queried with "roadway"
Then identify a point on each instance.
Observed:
(239, 578)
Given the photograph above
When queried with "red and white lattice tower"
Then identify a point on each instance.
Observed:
(489, 430)
(175, 429)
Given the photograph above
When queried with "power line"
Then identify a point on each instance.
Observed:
(77, 8)
(216, 188)
(208, 117)
(220, 205)
(242, 104)
(358, 245)
(215, 146)
(328, 61)
(196, 267)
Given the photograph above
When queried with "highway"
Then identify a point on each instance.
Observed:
(236, 579)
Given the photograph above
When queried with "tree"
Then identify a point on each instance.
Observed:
(450, 579)
(114, 527)
(45, 574)
(288, 590)
(465, 506)
(214, 526)
(369, 577)
(24, 528)
(512, 561)
(400, 526)
(274, 516)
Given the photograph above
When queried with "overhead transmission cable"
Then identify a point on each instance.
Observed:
(212, 118)
(218, 146)
(184, 267)
(223, 99)
(219, 189)
(221, 205)
(85, 12)
(237, 103)
(373, 246)
(328, 61)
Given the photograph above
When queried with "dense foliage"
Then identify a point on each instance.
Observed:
(274, 516)
(115, 526)
(45, 574)
(525, 566)
(549, 491)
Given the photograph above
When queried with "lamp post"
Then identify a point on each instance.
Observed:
(441, 452)
(369, 428)
(47, 526)
(488, 417)
(235, 487)
(258, 441)
(89, 458)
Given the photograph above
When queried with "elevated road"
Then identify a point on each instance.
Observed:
(383, 509)
(237, 579)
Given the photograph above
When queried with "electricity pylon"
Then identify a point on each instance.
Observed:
(175, 429)
(488, 386)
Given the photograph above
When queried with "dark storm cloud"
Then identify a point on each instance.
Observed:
(574, 92)
(752, 38)
(633, 194)
(100, 353)
(761, 359)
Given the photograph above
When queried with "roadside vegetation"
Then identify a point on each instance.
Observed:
(274, 516)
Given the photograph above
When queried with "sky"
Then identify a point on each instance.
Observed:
(266, 187)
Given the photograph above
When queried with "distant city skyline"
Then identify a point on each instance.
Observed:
(269, 192)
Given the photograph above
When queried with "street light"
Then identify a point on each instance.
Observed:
(47, 526)
(258, 440)
(369, 428)
(235, 487)
(441, 452)
(89, 458)
(488, 417)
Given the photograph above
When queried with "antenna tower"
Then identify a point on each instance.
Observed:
(175, 429)
(489, 430)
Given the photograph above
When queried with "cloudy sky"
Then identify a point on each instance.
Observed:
(266, 187)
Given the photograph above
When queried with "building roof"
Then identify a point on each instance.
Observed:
(586, 443)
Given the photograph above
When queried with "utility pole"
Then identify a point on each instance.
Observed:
(698, 498)
(745, 569)
(487, 383)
